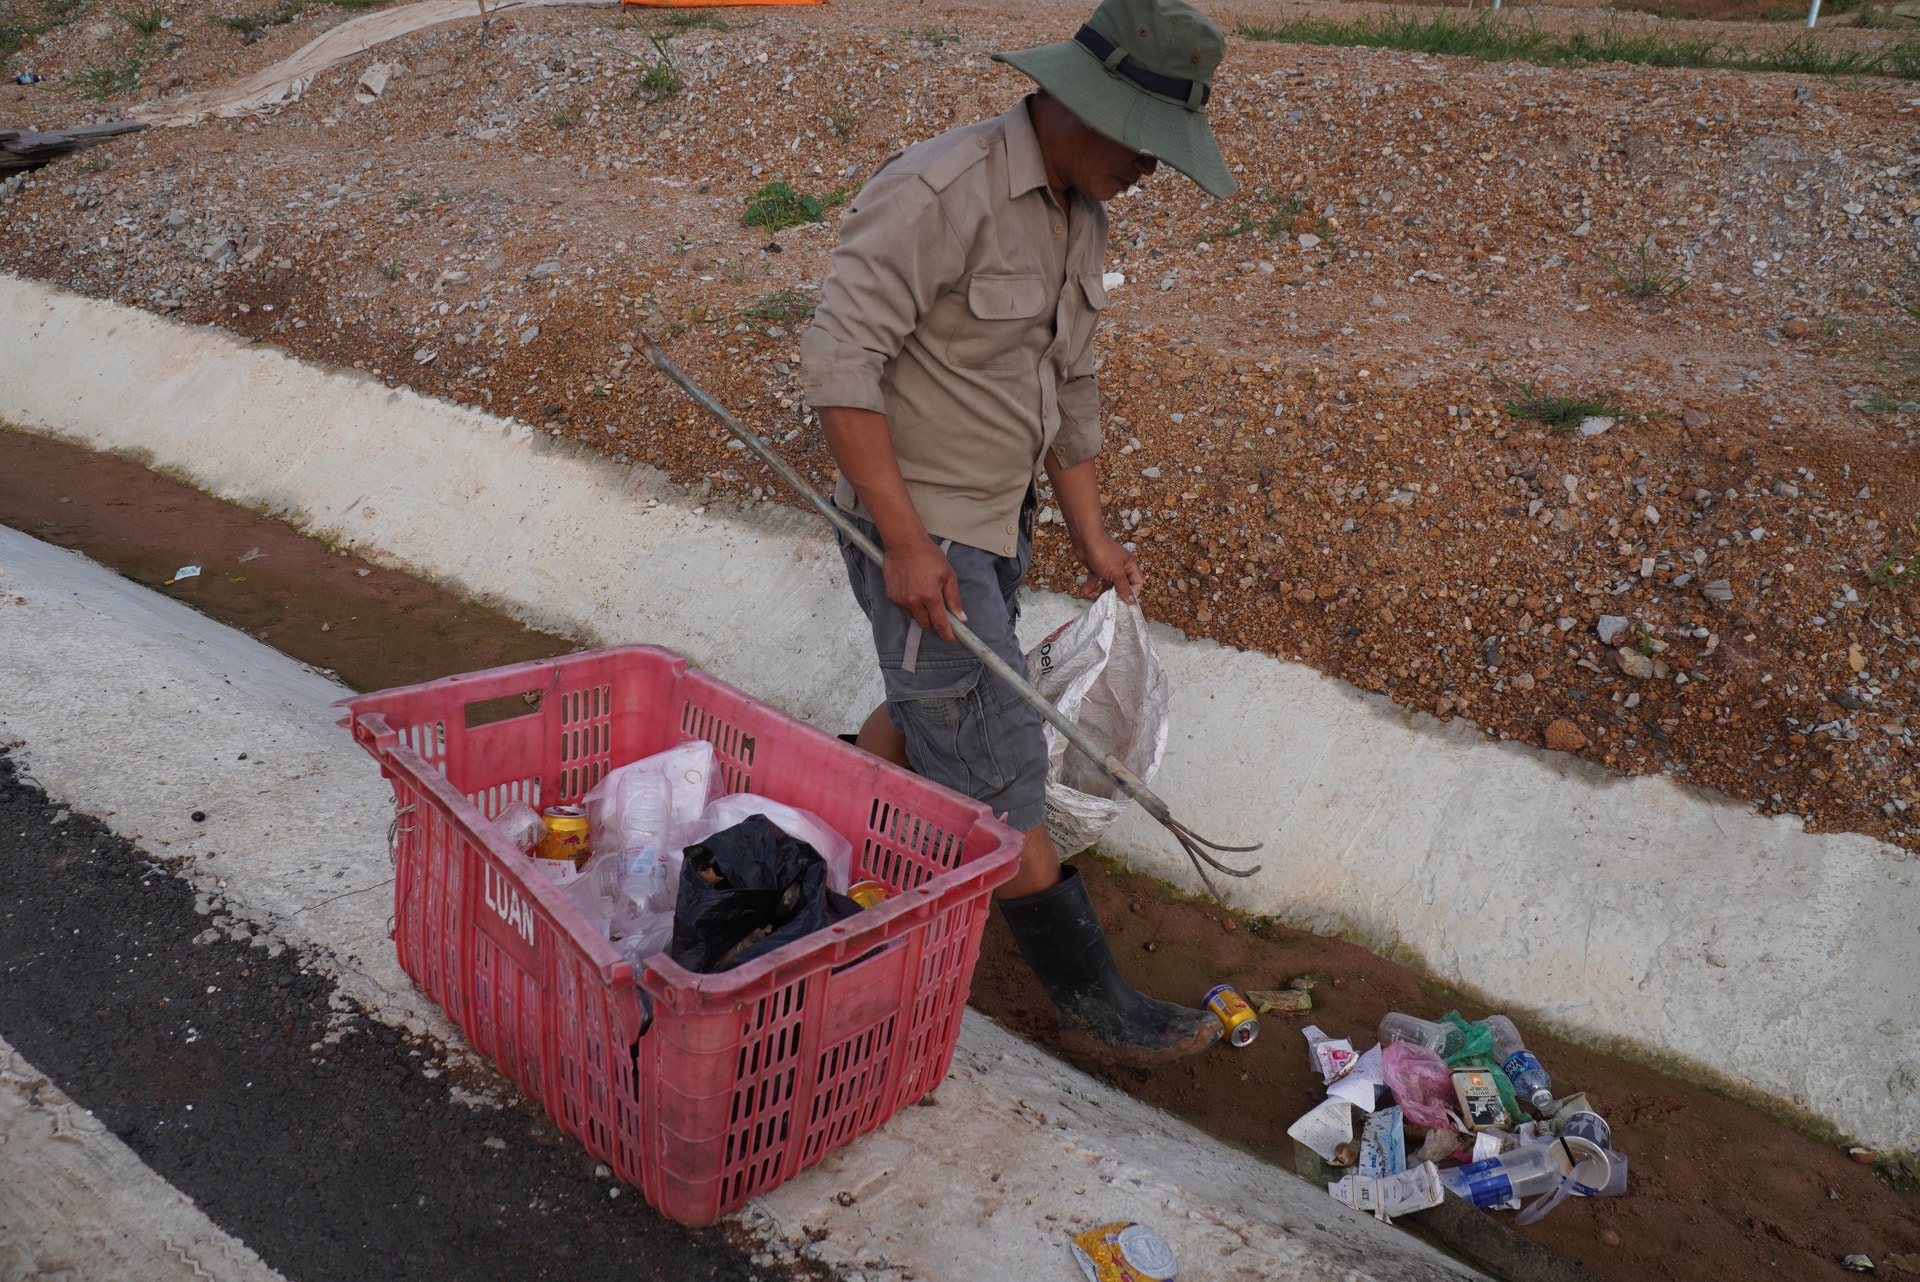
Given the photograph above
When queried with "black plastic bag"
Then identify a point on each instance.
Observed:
(745, 891)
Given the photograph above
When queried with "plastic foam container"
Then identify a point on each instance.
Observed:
(700, 1090)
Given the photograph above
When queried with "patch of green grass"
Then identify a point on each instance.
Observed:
(251, 25)
(394, 269)
(1492, 36)
(95, 165)
(566, 118)
(843, 120)
(1551, 409)
(776, 207)
(1641, 277)
(413, 199)
(782, 307)
(1888, 403)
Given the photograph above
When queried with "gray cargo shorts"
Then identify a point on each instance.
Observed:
(964, 727)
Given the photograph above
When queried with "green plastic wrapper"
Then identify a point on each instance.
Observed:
(1477, 1052)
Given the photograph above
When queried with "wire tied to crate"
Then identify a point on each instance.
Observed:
(393, 835)
(1195, 846)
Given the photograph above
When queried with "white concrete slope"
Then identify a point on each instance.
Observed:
(1626, 912)
(136, 708)
(75, 1202)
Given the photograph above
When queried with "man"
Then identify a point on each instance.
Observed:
(951, 359)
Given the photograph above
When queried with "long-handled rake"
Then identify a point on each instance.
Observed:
(1135, 787)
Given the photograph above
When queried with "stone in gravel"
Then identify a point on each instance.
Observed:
(1798, 327)
(1695, 418)
(1717, 590)
(1309, 241)
(1611, 628)
(1633, 663)
(1151, 473)
(1594, 425)
(1304, 596)
(1563, 736)
(528, 334)
(547, 268)
(1523, 682)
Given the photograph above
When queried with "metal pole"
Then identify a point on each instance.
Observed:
(1813, 14)
(1117, 770)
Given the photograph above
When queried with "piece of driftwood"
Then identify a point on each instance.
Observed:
(29, 149)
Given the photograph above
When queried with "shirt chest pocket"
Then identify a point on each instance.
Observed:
(1005, 317)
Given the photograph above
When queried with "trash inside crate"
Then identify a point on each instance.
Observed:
(701, 1090)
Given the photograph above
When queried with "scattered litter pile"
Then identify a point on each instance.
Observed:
(1438, 1107)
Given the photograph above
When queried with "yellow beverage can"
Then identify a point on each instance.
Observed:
(566, 837)
(869, 894)
(1242, 1025)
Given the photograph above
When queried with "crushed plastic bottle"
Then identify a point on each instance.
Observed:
(1442, 1039)
(1522, 1067)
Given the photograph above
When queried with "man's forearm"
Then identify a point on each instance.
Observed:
(862, 445)
(1077, 490)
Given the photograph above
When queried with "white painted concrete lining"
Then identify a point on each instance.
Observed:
(135, 708)
(76, 1203)
(1630, 912)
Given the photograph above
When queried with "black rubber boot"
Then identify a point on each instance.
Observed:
(1060, 936)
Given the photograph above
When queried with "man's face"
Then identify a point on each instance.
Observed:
(1098, 167)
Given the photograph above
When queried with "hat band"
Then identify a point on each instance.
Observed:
(1192, 94)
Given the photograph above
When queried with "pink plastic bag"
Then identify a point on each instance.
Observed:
(1421, 1083)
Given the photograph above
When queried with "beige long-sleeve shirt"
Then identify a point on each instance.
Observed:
(961, 303)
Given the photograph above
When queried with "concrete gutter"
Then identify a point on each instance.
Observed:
(135, 708)
(1636, 914)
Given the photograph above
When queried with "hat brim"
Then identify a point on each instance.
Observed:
(1115, 107)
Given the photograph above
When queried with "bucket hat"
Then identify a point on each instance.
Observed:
(1140, 72)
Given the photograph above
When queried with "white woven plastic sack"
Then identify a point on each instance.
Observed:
(1099, 669)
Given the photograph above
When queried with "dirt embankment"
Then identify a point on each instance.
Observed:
(1311, 390)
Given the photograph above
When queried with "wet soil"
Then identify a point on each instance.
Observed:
(372, 627)
(330, 1144)
(1717, 1190)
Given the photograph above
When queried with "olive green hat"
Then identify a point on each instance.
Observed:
(1140, 72)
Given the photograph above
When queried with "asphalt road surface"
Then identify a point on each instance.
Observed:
(336, 1147)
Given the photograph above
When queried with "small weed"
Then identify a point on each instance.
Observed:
(413, 200)
(935, 36)
(679, 244)
(776, 207)
(843, 120)
(660, 79)
(95, 165)
(1642, 279)
(103, 82)
(598, 389)
(1562, 413)
(1886, 403)
(148, 21)
(1643, 640)
(250, 25)
(678, 20)
(1239, 226)
(394, 269)
(1901, 570)
(566, 118)
(782, 307)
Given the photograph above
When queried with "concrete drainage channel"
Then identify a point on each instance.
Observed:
(1630, 913)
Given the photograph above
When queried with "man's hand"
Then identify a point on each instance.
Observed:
(921, 581)
(1110, 565)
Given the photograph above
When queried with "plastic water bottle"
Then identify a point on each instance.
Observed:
(1442, 1039)
(1520, 1172)
(1530, 1081)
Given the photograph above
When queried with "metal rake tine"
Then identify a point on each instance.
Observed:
(1195, 856)
(1214, 845)
(1188, 841)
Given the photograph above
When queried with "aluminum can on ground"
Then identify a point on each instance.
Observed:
(1242, 1025)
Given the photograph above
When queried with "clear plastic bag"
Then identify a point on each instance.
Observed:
(654, 802)
(725, 812)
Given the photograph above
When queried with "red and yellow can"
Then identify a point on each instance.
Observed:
(566, 837)
(869, 894)
(1242, 1025)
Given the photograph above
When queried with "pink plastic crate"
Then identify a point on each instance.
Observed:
(700, 1090)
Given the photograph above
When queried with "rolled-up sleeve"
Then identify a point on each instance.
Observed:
(897, 254)
(1079, 436)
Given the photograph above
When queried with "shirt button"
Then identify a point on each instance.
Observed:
(981, 143)
(1058, 229)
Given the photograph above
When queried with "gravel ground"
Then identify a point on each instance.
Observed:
(1309, 390)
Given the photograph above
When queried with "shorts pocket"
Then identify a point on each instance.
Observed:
(948, 717)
